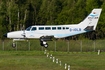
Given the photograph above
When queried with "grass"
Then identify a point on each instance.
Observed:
(85, 61)
(23, 60)
(37, 60)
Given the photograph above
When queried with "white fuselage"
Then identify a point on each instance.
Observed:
(58, 31)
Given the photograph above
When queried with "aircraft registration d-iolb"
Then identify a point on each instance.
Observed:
(46, 32)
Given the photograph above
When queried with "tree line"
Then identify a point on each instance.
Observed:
(20, 14)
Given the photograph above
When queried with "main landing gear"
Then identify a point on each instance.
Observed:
(43, 43)
(43, 40)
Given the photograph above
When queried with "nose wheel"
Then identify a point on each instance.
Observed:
(14, 45)
(46, 45)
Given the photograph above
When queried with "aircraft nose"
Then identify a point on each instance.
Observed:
(5, 35)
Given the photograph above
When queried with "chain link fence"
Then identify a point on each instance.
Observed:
(57, 45)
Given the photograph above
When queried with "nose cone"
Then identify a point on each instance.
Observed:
(5, 35)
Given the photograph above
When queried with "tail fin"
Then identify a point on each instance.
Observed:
(90, 22)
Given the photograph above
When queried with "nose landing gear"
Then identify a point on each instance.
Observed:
(14, 45)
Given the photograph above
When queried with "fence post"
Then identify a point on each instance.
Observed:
(81, 46)
(29, 45)
(3, 45)
(55, 46)
(94, 46)
(16, 46)
(68, 46)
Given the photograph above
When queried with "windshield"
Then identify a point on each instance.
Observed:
(33, 29)
(28, 29)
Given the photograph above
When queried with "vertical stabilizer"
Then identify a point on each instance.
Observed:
(90, 22)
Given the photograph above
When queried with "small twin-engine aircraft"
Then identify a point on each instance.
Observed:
(45, 33)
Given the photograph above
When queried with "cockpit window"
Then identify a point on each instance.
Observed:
(28, 29)
(33, 29)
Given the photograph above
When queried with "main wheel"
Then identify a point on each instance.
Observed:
(13, 45)
(46, 45)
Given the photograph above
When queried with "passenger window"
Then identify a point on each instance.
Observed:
(63, 28)
(59, 28)
(41, 28)
(47, 28)
(53, 28)
(33, 29)
(67, 27)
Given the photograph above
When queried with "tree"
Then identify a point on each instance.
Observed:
(12, 10)
(64, 17)
(36, 7)
(91, 4)
(3, 18)
(42, 15)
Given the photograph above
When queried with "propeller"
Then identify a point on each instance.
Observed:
(24, 34)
